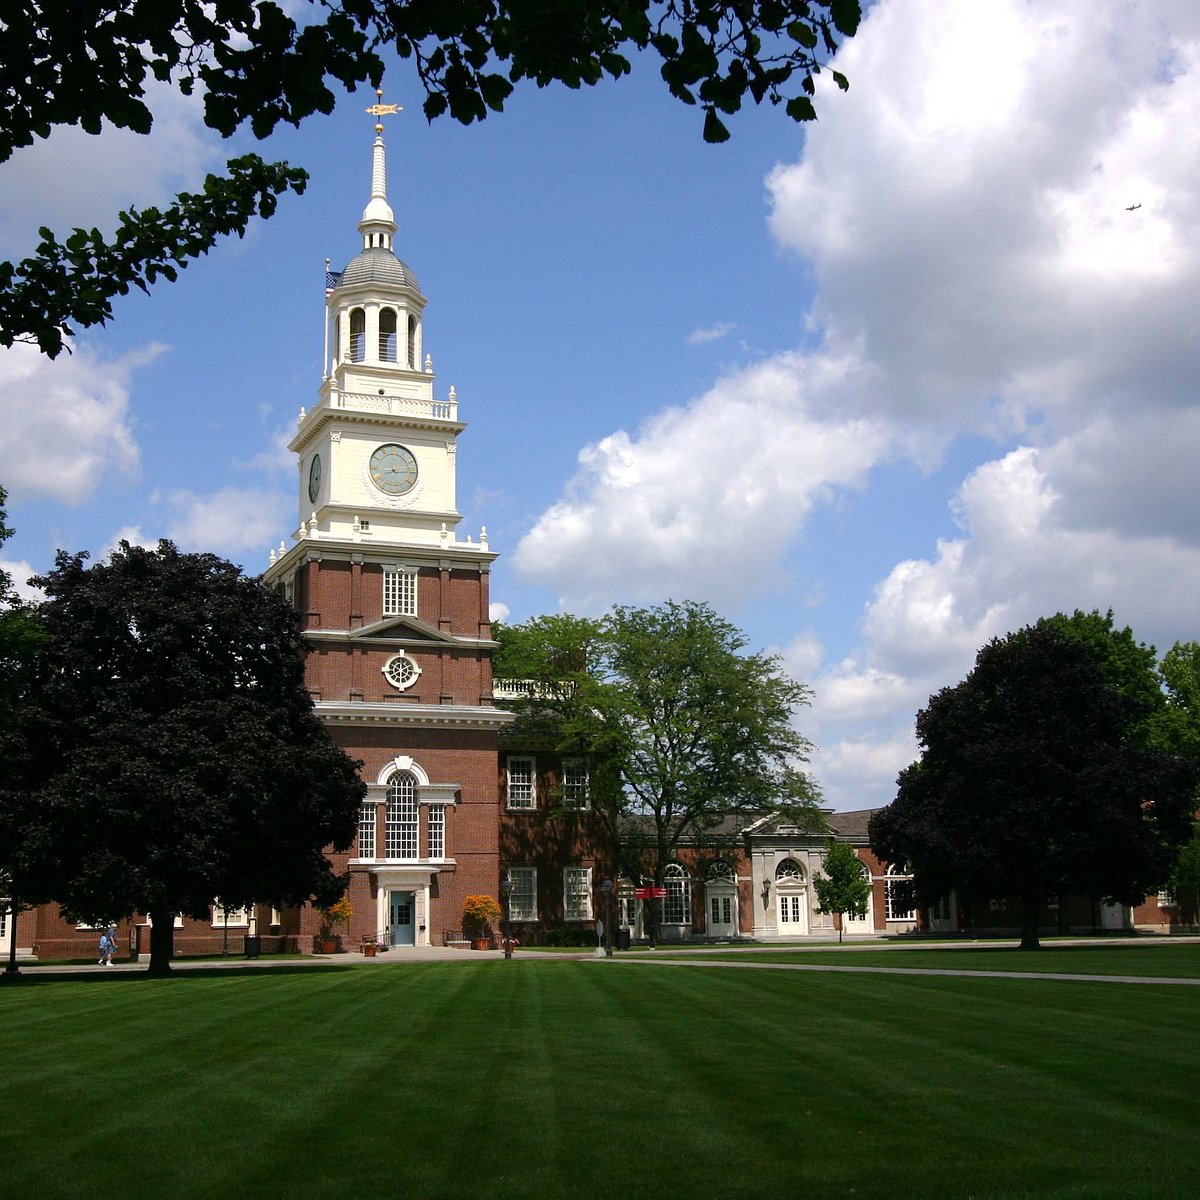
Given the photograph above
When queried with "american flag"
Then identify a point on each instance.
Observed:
(332, 279)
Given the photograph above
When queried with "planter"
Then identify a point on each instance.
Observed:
(327, 945)
(481, 944)
(370, 949)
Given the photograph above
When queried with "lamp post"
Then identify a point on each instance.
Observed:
(607, 888)
(506, 891)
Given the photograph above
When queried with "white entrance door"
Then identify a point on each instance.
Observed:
(400, 924)
(1112, 916)
(793, 914)
(722, 913)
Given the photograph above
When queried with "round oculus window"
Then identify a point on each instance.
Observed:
(400, 671)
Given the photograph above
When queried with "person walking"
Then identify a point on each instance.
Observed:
(108, 947)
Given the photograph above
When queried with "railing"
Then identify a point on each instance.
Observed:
(382, 939)
(439, 410)
(529, 689)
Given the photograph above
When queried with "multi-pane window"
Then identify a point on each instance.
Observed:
(401, 817)
(898, 893)
(366, 831)
(229, 916)
(3, 921)
(399, 592)
(677, 907)
(522, 900)
(577, 894)
(791, 910)
(521, 786)
(722, 910)
(575, 783)
(436, 825)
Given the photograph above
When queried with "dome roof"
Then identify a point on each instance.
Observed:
(377, 265)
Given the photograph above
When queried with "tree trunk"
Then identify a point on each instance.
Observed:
(12, 968)
(1031, 907)
(162, 942)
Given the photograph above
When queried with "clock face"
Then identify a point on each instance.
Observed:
(393, 470)
(314, 478)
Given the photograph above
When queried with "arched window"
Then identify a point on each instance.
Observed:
(358, 335)
(720, 872)
(401, 818)
(387, 335)
(789, 871)
(898, 892)
(677, 907)
(412, 341)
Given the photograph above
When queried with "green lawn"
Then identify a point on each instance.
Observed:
(619, 1081)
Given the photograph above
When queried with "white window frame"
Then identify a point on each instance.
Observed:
(402, 819)
(4, 911)
(892, 912)
(522, 900)
(577, 894)
(238, 917)
(677, 906)
(399, 591)
(573, 780)
(791, 908)
(522, 795)
(368, 830)
(435, 830)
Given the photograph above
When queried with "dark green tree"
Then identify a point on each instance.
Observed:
(842, 887)
(691, 728)
(167, 752)
(64, 62)
(1034, 780)
(21, 638)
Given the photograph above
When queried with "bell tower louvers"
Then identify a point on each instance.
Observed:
(393, 604)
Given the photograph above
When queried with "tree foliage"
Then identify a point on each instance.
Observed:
(257, 63)
(692, 729)
(1035, 780)
(842, 886)
(167, 752)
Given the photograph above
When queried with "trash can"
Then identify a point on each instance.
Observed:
(253, 945)
(623, 939)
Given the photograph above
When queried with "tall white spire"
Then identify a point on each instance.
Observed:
(378, 224)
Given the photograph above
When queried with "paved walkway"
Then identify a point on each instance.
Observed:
(716, 956)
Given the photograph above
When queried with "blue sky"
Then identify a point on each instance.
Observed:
(879, 388)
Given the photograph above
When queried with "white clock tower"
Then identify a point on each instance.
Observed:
(393, 605)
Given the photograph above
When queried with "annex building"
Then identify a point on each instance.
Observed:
(392, 596)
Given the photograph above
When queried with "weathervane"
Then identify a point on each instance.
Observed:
(379, 110)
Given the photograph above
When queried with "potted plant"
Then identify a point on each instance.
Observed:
(335, 914)
(478, 914)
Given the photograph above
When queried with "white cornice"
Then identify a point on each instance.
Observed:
(436, 716)
(338, 549)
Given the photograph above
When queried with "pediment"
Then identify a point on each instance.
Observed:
(408, 629)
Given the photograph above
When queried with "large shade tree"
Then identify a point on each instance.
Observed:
(258, 63)
(687, 728)
(1036, 780)
(167, 753)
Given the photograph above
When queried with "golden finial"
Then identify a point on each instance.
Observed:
(380, 109)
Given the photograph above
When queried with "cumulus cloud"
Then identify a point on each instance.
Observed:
(19, 573)
(64, 423)
(698, 502)
(967, 212)
(121, 168)
(230, 521)
(498, 611)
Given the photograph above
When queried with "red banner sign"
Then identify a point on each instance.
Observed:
(650, 893)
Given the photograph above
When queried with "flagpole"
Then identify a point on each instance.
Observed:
(325, 358)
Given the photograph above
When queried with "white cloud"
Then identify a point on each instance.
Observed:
(963, 211)
(20, 572)
(700, 503)
(121, 168)
(497, 611)
(713, 333)
(229, 521)
(64, 423)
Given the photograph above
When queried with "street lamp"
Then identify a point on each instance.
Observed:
(506, 887)
(607, 888)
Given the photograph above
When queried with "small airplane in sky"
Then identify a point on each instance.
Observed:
(1132, 207)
